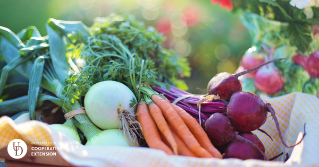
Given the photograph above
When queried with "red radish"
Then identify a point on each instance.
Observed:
(225, 84)
(250, 60)
(247, 112)
(242, 150)
(163, 26)
(268, 80)
(253, 138)
(221, 132)
(309, 63)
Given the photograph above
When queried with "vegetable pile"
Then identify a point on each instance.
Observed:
(233, 115)
(114, 84)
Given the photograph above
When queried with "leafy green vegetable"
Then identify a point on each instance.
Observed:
(298, 30)
(311, 86)
(34, 84)
(122, 49)
(145, 42)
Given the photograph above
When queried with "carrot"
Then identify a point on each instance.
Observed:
(150, 130)
(179, 126)
(197, 131)
(162, 124)
(182, 147)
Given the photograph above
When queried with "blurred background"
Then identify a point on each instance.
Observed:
(211, 38)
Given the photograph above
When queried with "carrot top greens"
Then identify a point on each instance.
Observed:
(124, 50)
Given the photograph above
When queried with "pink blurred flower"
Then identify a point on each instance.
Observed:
(191, 15)
(163, 25)
(227, 4)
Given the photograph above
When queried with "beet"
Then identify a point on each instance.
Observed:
(219, 129)
(221, 132)
(225, 84)
(247, 112)
(254, 139)
(243, 150)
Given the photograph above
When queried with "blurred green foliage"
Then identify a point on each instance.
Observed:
(213, 40)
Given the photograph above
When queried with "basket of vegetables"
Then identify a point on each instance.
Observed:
(114, 85)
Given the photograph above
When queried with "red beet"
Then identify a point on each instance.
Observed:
(221, 132)
(250, 60)
(243, 150)
(268, 80)
(309, 63)
(254, 139)
(225, 84)
(247, 112)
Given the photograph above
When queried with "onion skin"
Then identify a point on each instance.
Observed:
(268, 80)
(67, 131)
(111, 137)
(105, 101)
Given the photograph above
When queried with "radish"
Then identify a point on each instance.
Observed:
(225, 84)
(247, 112)
(309, 63)
(253, 138)
(268, 80)
(250, 60)
(221, 132)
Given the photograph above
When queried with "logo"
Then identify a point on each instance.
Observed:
(17, 148)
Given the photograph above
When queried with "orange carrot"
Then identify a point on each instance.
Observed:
(182, 147)
(197, 131)
(162, 125)
(179, 126)
(150, 130)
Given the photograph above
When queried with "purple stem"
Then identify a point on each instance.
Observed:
(272, 112)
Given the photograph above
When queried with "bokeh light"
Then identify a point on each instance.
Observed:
(211, 38)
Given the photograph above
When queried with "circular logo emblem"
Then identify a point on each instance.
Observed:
(17, 148)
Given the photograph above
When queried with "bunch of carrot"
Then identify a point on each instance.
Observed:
(169, 128)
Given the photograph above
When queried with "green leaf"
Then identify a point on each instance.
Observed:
(299, 35)
(58, 53)
(75, 31)
(11, 37)
(27, 33)
(10, 52)
(274, 3)
(34, 85)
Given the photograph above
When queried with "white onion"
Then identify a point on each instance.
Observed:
(113, 137)
(105, 101)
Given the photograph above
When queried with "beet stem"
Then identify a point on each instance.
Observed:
(264, 132)
(287, 157)
(271, 110)
(254, 68)
(275, 157)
